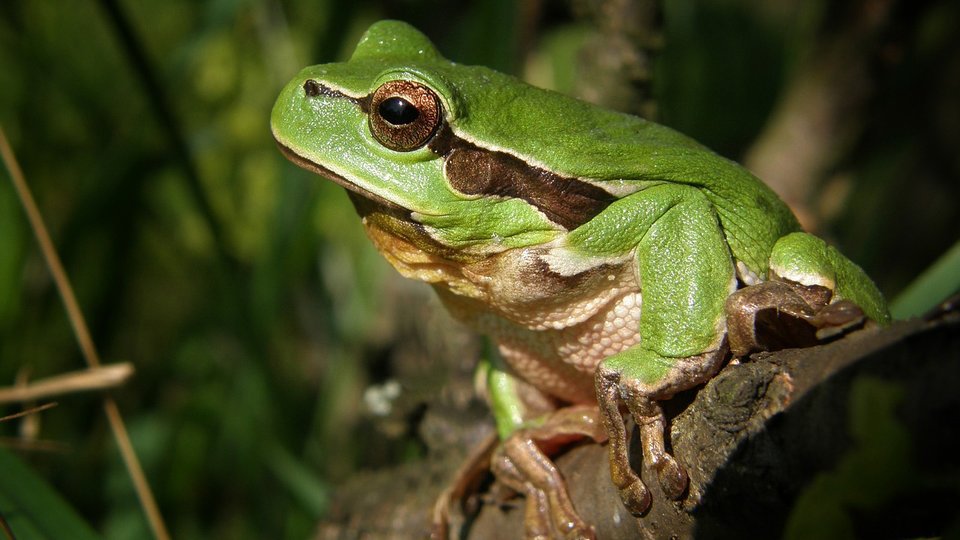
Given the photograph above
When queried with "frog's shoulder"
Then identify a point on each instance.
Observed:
(622, 154)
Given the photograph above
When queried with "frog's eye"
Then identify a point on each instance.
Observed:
(404, 115)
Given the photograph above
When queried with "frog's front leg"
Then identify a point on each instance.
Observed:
(522, 463)
(685, 271)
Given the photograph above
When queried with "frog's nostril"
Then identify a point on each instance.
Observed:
(311, 88)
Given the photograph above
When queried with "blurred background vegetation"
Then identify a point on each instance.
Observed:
(243, 289)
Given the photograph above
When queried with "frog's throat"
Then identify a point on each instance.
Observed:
(396, 235)
(389, 218)
(315, 168)
(409, 258)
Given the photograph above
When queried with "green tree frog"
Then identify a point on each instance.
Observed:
(613, 262)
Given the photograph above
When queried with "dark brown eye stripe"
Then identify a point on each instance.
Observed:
(569, 202)
(314, 89)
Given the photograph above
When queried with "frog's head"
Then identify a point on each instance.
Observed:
(397, 126)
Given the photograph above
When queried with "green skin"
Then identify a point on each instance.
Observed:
(676, 226)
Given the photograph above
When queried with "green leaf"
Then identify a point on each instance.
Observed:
(932, 287)
(32, 509)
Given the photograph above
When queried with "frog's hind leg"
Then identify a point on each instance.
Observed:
(522, 464)
(466, 480)
(814, 292)
(776, 315)
(805, 259)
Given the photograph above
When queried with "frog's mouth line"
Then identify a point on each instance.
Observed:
(315, 168)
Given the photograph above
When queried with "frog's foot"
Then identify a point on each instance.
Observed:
(466, 481)
(614, 388)
(779, 314)
(522, 464)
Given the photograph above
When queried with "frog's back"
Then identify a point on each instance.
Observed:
(622, 153)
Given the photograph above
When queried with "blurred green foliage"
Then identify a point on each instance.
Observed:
(33, 509)
(244, 290)
(879, 466)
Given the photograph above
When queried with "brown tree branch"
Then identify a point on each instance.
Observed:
(753, 439)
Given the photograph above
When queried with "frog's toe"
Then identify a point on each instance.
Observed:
(636, 498)
(575, 529)
(673, 479)
(837, 318)
(536, 524)
(548, 511)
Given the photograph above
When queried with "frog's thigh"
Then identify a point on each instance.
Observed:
(685, 273)
(521, 463)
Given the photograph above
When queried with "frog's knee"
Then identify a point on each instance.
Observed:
(803, 258)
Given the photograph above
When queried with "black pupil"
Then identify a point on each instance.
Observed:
(398, 111)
